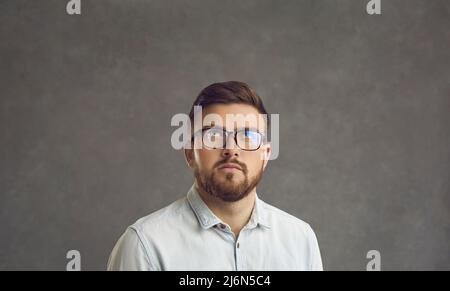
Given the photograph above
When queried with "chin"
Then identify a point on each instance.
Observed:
(232, 178)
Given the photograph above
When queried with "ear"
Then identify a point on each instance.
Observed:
(189, 157)
(265, 155)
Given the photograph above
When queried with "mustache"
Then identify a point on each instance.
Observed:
(231, 161)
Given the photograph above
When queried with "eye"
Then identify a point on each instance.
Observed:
(214, 133)
(213, 138)
(251, 134)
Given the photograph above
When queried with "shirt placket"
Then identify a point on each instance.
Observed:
(239, 262)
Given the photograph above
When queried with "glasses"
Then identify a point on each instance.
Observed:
(245, 139)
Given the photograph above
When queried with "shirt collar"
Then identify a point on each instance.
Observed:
(207, 218)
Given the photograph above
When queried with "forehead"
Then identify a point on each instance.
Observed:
(233, 115)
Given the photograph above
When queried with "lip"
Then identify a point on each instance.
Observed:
(230, 166)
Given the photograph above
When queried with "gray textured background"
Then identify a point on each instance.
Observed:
(364, 104)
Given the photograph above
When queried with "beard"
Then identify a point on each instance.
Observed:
(230, 187)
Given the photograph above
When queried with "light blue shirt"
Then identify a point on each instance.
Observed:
(187, 236)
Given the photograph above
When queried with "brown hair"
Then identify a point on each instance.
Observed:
(230, 92)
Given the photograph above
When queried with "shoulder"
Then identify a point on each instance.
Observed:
(134, 251)
(167, 217)
(284, 221)
(296, 233)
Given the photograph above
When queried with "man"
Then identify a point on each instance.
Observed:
(221, 224)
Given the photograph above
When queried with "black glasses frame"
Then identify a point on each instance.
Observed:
(227, 133)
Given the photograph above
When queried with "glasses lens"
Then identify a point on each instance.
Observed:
(213, 138)
(248, 140)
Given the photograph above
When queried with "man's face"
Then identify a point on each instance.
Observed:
(230, 173)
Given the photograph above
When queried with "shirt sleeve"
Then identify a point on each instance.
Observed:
(129, 254)
(315, 263)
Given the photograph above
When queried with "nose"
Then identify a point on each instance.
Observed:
(231, 149)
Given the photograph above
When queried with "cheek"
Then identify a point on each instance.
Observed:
(254, 163)
(205, 159)
(256, 168)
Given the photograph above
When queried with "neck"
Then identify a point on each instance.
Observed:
(235, 214)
